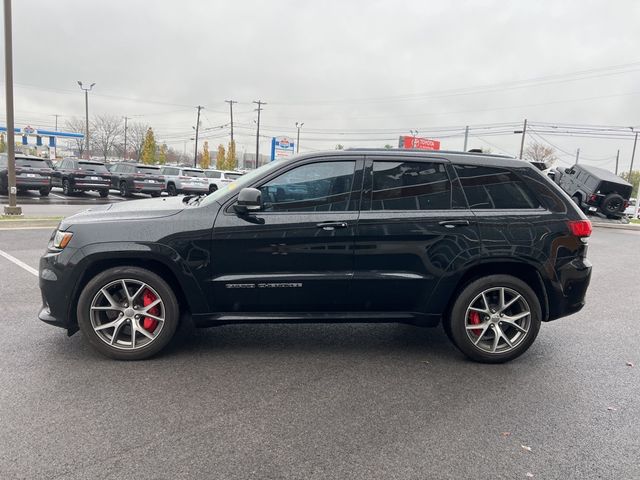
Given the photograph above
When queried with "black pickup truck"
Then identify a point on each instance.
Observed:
(595, 189)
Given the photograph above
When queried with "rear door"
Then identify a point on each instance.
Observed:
(414, 230)
(296, 255)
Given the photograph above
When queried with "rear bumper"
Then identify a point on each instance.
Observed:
(144, 187)
(28, 183)
(567, 293)
(91, 186)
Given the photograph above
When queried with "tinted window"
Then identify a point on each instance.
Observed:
(92, 167)
(193, 173)
(410, 186)
(494, 188)
(316, 187)
(212, 174)
(232, 176)
(32, 162)
(147, 170)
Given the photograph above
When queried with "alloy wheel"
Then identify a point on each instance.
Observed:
(498, 320)
(127, 314)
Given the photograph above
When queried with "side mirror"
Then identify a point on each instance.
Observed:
(249, 200)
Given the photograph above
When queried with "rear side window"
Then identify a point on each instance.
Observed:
(410, 186)
(495, 188)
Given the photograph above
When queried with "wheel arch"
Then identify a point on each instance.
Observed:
(526, 272)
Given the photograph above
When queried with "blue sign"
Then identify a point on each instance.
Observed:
(282, 147)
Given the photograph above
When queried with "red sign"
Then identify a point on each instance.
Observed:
(420, 143)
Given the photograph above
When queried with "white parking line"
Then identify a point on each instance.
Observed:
(57, 196)
(19, 263)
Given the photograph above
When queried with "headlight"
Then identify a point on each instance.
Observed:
(61, 239)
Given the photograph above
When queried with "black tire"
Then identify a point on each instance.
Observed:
(612, 204)
(457, 322)
(155, 194)
(577, 201)
(66, 187)
(124, 189)
(44, 191)
(164, 336)
(104, 193)
(213, 188)
(171, 190)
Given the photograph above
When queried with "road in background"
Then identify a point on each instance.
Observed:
(325, 401)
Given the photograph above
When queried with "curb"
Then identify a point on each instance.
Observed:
(28, 223)
(617, 226)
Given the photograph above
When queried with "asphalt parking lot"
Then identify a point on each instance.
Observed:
(325, 401)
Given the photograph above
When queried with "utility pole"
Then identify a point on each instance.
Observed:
(524, 132)
(466, 137)
(577, 156)
(12, 208)
(195, 152)
(617, 158)
(298, 126)
(86, 117)
(124, 154)
(414, 133)
(633, 155)
(231, 102)
(55, 129)
(260, 103)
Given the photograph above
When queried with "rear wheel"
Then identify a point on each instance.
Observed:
(495, 319)
(213, 188)
(612, 205)
(128, 313)
(66, 187)
(124, 189)
(104, 193)
(44, 191)
(171, 190)
(155, 194)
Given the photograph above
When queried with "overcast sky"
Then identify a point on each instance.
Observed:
(355, 72)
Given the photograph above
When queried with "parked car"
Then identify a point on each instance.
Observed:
(220, 178)
(76, 175)
(594, 189)
(630, 211)
(485, 244)
(32, 173)
(131, 178)
(185, 180)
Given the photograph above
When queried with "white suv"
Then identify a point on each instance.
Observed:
(185, 180)
(220, 178)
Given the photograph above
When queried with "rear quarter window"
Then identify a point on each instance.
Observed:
(495, 188)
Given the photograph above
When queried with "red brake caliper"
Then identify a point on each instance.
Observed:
(474, 319)
(150, 324)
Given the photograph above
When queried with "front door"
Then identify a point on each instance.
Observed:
(296, 254)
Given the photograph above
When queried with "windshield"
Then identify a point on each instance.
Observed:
(194, 173)
(92, 167)
(243, 181)
(148, 170)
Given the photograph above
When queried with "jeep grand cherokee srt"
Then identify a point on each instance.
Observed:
(487, 245)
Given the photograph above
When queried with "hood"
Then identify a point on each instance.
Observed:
(129, 210)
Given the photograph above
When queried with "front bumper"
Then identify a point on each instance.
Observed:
(57, 283)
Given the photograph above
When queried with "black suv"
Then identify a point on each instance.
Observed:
(487, 245)
(32, 173)
(594, 189)
(131, 178)
(75, 175)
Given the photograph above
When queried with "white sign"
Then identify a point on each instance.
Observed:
(282, 147)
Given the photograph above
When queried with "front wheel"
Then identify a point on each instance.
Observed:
(171, 190)
(124, 190)
(44, 191)
(495, 319)
(66, 188)
(104, 193)
(128, 313)
(213, 188)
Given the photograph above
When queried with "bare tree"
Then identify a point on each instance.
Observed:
(135, 138)
(105, 134)
(77, 125)
(537, 152)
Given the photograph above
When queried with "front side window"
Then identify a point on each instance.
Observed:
(410, 186)
(315, 187)
(495, 188)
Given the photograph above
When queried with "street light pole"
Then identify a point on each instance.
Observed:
(524, 133)
(633, 154)
(12, 208)
(195, 151)
(466, 137)
(260, 103)
(124, 153)
(86, 117)
(298, 126)
(415, 134)
(231, 102)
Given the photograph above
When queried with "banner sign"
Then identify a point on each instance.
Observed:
(419, 143)
(282, 147)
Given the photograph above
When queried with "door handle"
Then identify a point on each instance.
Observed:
(454, 223)
(331, 225)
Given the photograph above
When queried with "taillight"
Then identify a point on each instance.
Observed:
(626, 204)
(580, 228)
(593, 198)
